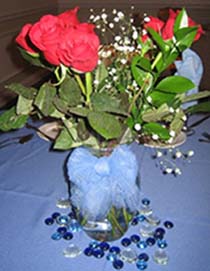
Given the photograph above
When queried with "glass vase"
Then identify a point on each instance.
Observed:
(105, 190)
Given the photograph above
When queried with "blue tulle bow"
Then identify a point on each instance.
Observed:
(97, 184)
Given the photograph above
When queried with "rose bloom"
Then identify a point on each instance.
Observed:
(79, 47)
(69, 18)
(154, 23)
(168, 29)
(22, 37)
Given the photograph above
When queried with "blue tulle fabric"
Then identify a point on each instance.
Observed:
(98, 183)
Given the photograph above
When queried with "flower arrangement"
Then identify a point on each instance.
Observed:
(109, 83)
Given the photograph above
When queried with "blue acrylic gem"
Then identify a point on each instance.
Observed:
(104, 246)
(145, 201)
(93, 244)
(141, 265)
(62, 230)
(142, 244)
(135, 238)
(118, 264)
(114, 250)
(56, 236)
(55, 215)
(141, 218)
(159, 233)
(168, 224)
(63, 220)
(67, 235)
(126, 242)
(49, 221)
(162, 243)
(150, 241)
(134, 221)
(75, 226)
(98, 253)
(88, 251)
(111, 257)
(143, 257)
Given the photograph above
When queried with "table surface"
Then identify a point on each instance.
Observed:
(32, 179)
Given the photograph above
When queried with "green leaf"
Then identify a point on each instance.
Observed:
(199, 108)
(70, 92)
(185, 37)
(10, 120)
(63, 141)
(158, 39)
(35, 59)
(105, 124)
(142, 78)
(160, 97)
(156, 114)
(144, 63)
(175, 84)
(24, 106)
(196, 96)
(104, 102)
(61, 105)
(177, 123)
(100, 74)
(181, 20)
(153, 128)
(79, 111)
(28, 93)
(44, 99)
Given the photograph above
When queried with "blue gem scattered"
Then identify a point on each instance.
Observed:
(115, 250)
(141, 265)
(168, 224)
(141, 218)
(142, 244)
(162, 243)
(55, 215)
(67, 235)
(159, 233)
(49, 221)
(135, 238)
(56, 236)
(88, 251)
(126, 242)
(98, 253)
(62, 230)
(63, 220)
(67, 225)
(143, 257)
(145, 201)
(104, 246)
(134, 221)
(150, 241)
(111, 257)
(118, 264)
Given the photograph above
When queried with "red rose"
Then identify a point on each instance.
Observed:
(154, 23)
(168, 29)
(79, 47)
(69, 18)
(45, 35)
(21, 39)
(199, 31)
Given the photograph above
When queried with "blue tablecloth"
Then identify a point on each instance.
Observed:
(32, 178)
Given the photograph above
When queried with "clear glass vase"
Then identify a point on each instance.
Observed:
(111, 220)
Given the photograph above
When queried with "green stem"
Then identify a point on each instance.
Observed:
(114, 221)
(89, 89)
(80, 83)
(158, 57)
